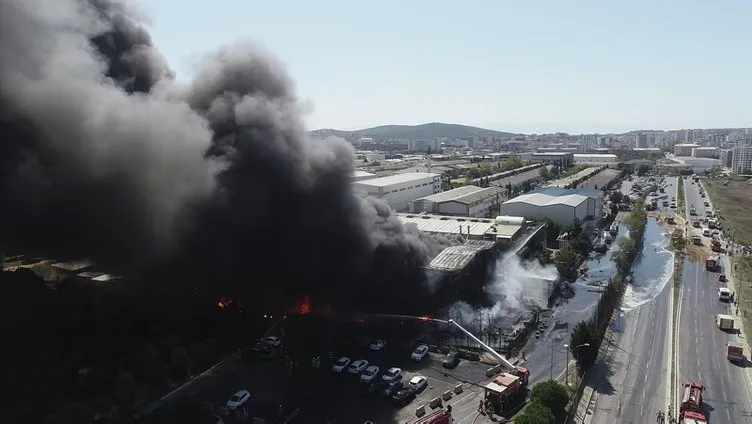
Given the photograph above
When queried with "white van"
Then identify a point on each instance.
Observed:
(724, 294)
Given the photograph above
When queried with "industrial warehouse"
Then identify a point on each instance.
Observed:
(462, 201)
(400, 189)
(561, 206)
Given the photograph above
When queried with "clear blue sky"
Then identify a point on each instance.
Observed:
(521, 65)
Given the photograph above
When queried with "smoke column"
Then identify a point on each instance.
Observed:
(103, 155)
(515, 284)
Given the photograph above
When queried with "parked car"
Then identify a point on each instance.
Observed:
(374, 387)
(369, 374)
(358, 366)
(238, 399)
(393, 387)
(418, 383)
(392, 374)
(722, 278)
(272, 341)
(341, 364)
(451, 360)
(377, 344)
(419, 353)
(403, 397)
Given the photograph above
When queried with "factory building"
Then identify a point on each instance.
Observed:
(562, 159)
(430, 204)
(481, 203)
(359, 175)
(400, 190)
(706, 152)
(684, 149)
(561, 206)
(503, 229)
(596, 159)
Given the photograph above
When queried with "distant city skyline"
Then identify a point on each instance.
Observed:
(537, 66)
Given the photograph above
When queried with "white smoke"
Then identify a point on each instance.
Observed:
(516, 285)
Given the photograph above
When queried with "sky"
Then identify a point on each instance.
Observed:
(577, 66)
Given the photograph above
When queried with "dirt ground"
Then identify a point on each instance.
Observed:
(734, 202)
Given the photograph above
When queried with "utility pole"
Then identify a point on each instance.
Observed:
(552, 359)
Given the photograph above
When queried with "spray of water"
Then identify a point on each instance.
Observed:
(515, 285)
(411, 317)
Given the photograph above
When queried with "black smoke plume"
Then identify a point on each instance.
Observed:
(102, 155)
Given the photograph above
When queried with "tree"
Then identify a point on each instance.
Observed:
(536, 413)
(202, 353)
(180, 362)
(553, 395)
(566, 260)
(510, 163)
(583, 333)
(544, 174)
(624, 254)
(616, 197)
(582, 244)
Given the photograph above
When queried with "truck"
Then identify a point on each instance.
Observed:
(711, 263)
(696, 223)
(690, 410)
(692, 211)
(697, 240)
(735, 353)
(443, 416)
(715, 245)
(506, 387)
(724, 322)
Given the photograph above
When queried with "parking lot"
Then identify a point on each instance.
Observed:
(323, 396)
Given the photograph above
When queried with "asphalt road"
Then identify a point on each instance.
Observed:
(702, 355)
(633, 387)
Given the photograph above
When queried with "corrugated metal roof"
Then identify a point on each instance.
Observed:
(451, 194)
(397, 179)
(449, 225)
(481, 194)
(455, 258)
(543, 200)
(73, 265)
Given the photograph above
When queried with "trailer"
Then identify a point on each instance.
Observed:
(724, 322)
(711, 263)
(735, 353)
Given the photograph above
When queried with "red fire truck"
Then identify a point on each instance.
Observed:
(690, 411)
(443, 416)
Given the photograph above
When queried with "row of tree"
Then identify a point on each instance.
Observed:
(484, 170)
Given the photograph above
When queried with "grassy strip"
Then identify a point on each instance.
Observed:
(680, 196)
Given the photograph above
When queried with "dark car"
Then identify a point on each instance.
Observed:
(375, 387)
(393, 388)
(403, 397)
(451, 360)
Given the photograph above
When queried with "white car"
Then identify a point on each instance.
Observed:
(392, 374)
(272, 341)
(358, 366)
(341, 364)
(417, 383)
(419, 353)
(238, 399)
(377, 344)
(369, 374)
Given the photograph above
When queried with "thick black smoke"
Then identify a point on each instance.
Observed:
(102, 155)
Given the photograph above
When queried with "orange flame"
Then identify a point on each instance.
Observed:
(304, 307)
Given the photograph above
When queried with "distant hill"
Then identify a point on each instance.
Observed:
(431, 130)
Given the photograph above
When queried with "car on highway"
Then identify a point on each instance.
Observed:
(377, 345)
(341, 364)
(238, 399)
(716, 233)
(706, 203)
(418, 383)
(403, 397)
(392, 374)
(419, 353)
(724, 294)
(706, 232)
(358, 366)
(722, 278)
(369, 374)
(451, 360)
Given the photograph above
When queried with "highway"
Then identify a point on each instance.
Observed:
(630, 384)
(701, 346)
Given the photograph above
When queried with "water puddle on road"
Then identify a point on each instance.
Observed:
(653, 271)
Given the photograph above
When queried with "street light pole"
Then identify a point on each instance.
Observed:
(577, 350)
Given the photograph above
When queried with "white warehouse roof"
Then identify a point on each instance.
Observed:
(451, 194)
(540, 199)
(592, 156)
(397, 179)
